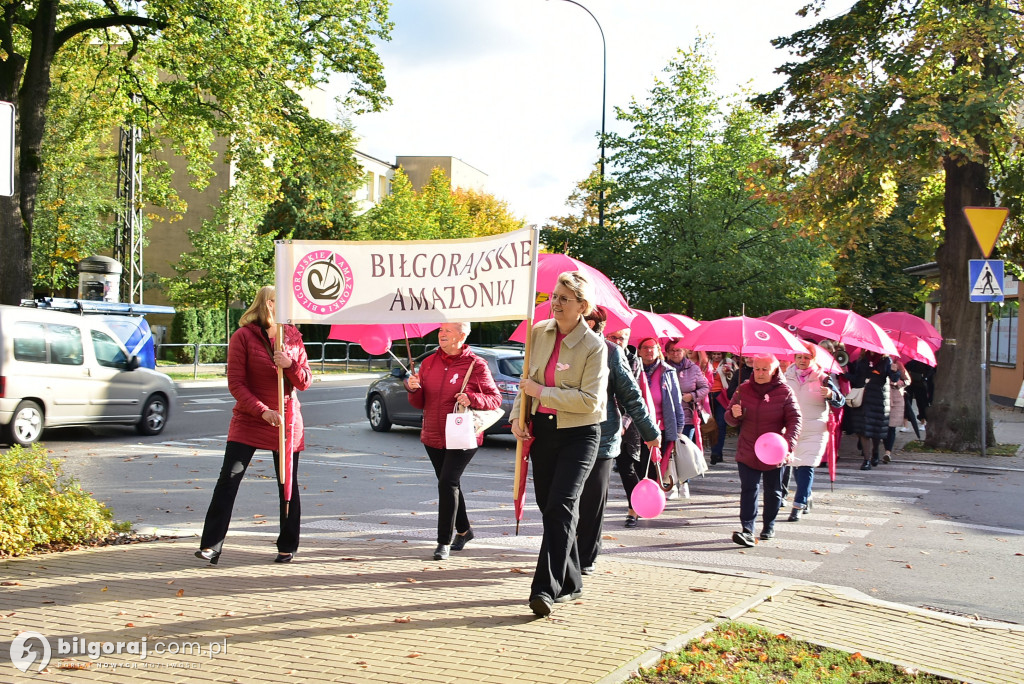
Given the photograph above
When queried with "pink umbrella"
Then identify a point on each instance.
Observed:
(684, 323)
(912, 347)
(743, 335)
(550, 266)
(543, 312)
(844, 326)
(376, 338)
(779, 318)
(647, 324)
(905, 322)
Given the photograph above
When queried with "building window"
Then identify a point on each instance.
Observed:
(1002, 343)
(385, 188)
(369, 186)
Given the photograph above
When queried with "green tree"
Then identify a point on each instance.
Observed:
(228, 69)
(316, 200)
(893, 90)
(437, 211)
(230, 261)
(687, 230)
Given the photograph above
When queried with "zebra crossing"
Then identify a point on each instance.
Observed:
(695, 531)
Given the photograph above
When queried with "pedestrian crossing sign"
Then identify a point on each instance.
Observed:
(986, 276)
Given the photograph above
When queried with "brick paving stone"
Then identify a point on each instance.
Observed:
(331, 615)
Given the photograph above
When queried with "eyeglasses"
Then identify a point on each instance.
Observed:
(564, 300)
(675, 350)
(616, 338)
(648, 347)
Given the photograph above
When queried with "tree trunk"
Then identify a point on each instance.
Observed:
(30, 80)
(954, 420)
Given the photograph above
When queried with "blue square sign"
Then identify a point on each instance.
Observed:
(986, 280)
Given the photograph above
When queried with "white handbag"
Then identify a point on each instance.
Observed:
(855, 397)
(688, 459)
(477, 421)
(459, 431)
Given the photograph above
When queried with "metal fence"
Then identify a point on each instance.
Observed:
(327, 355)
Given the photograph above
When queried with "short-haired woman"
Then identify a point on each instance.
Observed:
(763, 404)
(252, 381)
(566, 387)
(436, 388)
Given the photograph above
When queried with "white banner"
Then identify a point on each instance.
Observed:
(413, 281)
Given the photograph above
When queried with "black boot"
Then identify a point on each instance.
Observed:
(866, 465)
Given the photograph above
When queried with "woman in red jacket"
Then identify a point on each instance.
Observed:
(252, 381)
(765, 403)
(436, 388)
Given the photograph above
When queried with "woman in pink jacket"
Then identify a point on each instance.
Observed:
(252, 381)
(764, 403)
(436, 388)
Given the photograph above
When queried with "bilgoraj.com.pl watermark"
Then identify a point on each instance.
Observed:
(28, 647)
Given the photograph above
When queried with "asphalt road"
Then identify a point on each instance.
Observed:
(916, 534)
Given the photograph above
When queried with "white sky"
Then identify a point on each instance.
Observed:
(513, 87)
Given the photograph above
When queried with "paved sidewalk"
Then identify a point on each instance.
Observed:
(361, 611)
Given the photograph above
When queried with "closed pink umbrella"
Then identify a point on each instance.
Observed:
(647, 324)
(743, 335)
(905, 322)
(844, 326)
(543, 312)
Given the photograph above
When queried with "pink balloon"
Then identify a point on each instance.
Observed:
(771, 448)
(648, 499)
(375, 345)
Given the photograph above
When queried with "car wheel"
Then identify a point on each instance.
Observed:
(27, 424)
(378, 414)
(154, 416)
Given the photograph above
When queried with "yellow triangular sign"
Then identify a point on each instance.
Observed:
(986, 222)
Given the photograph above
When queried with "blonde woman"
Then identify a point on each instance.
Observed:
(566, 386)
(252, 381)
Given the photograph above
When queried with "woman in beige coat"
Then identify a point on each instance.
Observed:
(566, 387)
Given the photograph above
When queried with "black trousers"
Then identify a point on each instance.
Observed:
(449, 464)
(628, 460)
(237, 457)
(592, 503)
(562, 460)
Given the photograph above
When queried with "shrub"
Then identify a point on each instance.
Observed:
(42, 506)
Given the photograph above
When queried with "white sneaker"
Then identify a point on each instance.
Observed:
(673, 493)
(686, 490)
(903, 429)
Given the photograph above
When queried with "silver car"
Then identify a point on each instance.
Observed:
(387, 401)
(60, 369)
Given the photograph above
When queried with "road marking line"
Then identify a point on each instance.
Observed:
(983, 528)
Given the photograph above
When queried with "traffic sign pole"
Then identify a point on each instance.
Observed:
(984, 375)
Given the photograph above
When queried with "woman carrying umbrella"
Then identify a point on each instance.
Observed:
(451, 375)
(816, 393)
(870, 420)
(566, 387)
(663, 382)
(252, 381)
(765, 403)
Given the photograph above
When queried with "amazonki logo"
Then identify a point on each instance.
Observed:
(322, 282)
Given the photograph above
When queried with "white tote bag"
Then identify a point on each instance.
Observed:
(459, 431)
(688, 459)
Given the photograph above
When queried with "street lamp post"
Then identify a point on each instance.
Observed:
(604, 89)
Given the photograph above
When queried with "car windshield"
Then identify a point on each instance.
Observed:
(511, 365)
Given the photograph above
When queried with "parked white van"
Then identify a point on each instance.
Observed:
(65, 369)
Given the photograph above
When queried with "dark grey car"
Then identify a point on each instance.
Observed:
(387, 401)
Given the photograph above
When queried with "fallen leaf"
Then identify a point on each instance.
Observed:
(518, 570)
(411, 580)
(171, 582)
(908, 566)
(181, 592)
(103, 589)
(18, 584)
(260, 515)
(228, 613)
(414, 654)
(129, 624)
(700, 589)
(404, 619)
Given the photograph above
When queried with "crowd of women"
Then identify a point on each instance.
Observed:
(592, 404)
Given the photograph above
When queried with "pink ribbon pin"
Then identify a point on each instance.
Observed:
(561, 366)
